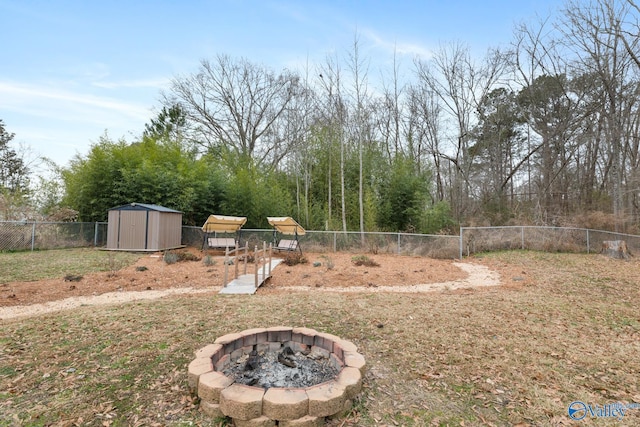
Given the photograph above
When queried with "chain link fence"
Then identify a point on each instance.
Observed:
(548, 239)
(435, 246)
(20, 236)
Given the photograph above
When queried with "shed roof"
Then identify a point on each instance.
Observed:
(286, 225)
(223, 223)
(143, 207)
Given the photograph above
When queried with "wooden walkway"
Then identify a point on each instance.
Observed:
(246, 283)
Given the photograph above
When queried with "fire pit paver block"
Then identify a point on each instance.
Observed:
(326, 399)
(252, 331)
(211, 385)
(227, 339)
(257, 338)
(254, 336)
(285, 403)
(325, 341)
(306, 421)
(336, 361)
(355, 360)
(307, 335)
(211, 409)
(329, 340)
(197, 367)
(351, 379)
(223, 362)
(346, 409)
(348, 346)
(279, 334)
(338, 351)
(256, 422)
(208, 351)
(241, 402)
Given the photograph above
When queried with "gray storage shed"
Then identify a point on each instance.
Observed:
(142, 227)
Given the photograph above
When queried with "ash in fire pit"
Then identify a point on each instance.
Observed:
(284, 368)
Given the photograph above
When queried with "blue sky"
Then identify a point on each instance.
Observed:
(72, 70)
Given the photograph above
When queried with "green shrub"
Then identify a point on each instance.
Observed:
(359, 260)
(328, 262)
(187, 256)
(294, 258)
(170, 257)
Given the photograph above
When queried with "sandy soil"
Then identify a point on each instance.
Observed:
(151, 278)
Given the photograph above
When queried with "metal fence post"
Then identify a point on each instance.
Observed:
(522, 238)
(461, 231)
(588, 246)
(95, 236)
(398, 243)
(33, 236)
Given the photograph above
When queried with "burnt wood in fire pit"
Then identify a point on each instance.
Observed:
(282, 368)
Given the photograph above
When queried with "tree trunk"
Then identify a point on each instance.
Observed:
(615, 249)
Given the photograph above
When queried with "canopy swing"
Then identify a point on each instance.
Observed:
(287, 226)
(225, 225)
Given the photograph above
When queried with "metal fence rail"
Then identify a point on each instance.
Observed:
(19, 236)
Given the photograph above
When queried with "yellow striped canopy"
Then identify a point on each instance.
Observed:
(286, 225)
(223, 224)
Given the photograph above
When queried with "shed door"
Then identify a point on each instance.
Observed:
(133, 229)
(113, 229)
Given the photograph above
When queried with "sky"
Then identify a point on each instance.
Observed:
(73, 70)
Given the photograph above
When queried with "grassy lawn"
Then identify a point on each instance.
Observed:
(38, 265)
(504, 356)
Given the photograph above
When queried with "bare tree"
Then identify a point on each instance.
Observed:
(389, 112)
(460, 84)
(424, 133)
(533, 55)
(592, 32)
(552, 107)
(336, 116)
(628, 29)
(361, 124)
(239, 107)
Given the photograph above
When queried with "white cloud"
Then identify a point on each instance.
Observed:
(58, 122)
(402, 48)
(158, 83)
(63, 104)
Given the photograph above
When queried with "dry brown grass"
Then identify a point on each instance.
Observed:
(511, 355)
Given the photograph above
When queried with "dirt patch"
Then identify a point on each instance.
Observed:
(150, 277)
(339, 270)
(149, 273)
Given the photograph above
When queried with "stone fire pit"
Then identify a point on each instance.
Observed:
(250, 405)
